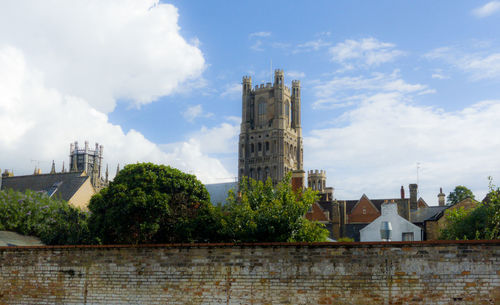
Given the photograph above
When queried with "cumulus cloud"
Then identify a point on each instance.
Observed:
(62, 71)
(194, 112)
(219, 142)
(103, 51)
(348, 90)
(486, 10)
(377, 146)
(366, 52)
(479, 66)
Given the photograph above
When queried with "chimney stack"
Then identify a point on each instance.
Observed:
(441, 197)
(298, 180)
(413, 196)
(402, 192)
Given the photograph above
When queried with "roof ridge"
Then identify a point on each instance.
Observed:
(47, 174)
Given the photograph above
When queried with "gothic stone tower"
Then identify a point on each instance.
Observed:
(270, 142)
(87, 160)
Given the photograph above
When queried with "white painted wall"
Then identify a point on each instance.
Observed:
(399, 225)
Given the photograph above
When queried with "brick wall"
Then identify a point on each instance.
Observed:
(358, 216)
(357, 273)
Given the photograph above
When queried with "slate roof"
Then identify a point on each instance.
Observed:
(8, 238)
(424, 214)
(218, 191)
(349, 204)
(61, 185)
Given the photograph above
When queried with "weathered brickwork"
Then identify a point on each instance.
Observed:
(367, 273)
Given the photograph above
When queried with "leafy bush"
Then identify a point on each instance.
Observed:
(53, 221)
(262, 213)
(148, 203)
(345, 240)
(482, 222)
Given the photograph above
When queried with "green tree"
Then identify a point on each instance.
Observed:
(459, 193)
(148, 203)
(54, 221)
(260, 213)
(482, 222)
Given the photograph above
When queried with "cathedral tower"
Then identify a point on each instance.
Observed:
(87, 160)
(270, 143)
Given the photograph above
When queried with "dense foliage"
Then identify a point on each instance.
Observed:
(148, 203)
(54, 221)
(459, 193)
(482, 222)
(260, 213)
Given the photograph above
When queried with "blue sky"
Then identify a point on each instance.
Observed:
(385, 85)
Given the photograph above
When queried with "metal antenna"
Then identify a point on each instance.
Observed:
(271, 67)
(418, 168)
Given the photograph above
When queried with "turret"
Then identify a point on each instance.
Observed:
(246, 94)
(53, 169)
(278, 78)
(317, 180)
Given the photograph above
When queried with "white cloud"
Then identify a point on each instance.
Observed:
(194, 112)
(221, 139)
(347, 90)
(438, 74)
(479, 66)
(377, 146)
(62, 70)
(364, 52)
(103, 51)
(232, 91)
(209, 151)
(259, 34)
(486, 10)
(295, 74)
(257, 46)
(312, 45)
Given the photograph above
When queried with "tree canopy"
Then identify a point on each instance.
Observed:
(260, 212)
(54, 221)
(148, 203)
(458, 194)
(482, 222)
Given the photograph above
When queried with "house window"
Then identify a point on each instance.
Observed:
(364, 211)
(260, 146)
(407, 236)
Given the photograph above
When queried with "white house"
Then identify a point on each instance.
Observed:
(402, 229)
